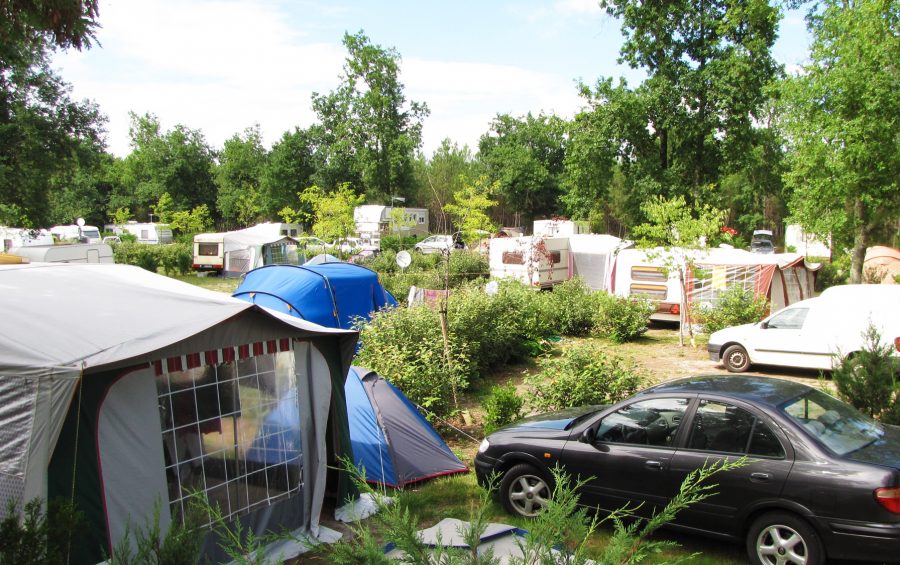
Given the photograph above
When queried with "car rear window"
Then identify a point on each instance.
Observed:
(838, 426)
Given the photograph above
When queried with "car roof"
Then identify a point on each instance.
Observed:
(762, 390)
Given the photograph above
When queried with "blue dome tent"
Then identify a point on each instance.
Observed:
(390, 439)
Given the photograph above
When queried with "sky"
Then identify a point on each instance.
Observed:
(221, 66)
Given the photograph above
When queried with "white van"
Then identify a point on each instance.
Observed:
(813, 333)
(90, 234)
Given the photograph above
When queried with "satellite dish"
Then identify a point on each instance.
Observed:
(404, 259)
(80, 222)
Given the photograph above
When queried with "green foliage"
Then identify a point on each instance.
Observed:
(33, 537)
(175, 258)
(288, 169)
(188, 224)
(840, 117)
(620, 318)
(574, 307)
(238, 177)
(502, 406)
(834, 272)
(121, 216)
(469, 209)
(405, 346)
(467, 267)
(630, 542)
(397, 243)
(733, 307)
(672, 223)
(583, 375)
(867, 379)
(146, 545)
(333, 212)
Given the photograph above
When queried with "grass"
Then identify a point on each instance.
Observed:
(209, 282)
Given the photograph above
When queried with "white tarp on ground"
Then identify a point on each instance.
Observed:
(503, 540)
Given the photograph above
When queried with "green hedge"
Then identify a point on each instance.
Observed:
(174, 259)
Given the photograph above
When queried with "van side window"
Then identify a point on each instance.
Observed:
(790, 319)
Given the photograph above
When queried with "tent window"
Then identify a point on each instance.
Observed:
(232, 432)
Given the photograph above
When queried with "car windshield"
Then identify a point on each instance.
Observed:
(836, 425)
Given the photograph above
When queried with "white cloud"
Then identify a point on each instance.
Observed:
(578, 7)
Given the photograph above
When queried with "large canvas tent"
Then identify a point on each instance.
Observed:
(121, 390)
(330, 294)
(593, 257)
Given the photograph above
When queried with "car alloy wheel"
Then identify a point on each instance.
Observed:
(525, 492)
(783, 539)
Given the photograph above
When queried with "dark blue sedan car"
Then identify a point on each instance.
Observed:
(823, 480)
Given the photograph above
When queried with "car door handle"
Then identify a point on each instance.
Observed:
(760, 477)
(653, 465)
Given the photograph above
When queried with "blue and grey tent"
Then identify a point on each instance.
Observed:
(329, 294)
(391, 440)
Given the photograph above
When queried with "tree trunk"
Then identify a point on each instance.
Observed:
(860, 243)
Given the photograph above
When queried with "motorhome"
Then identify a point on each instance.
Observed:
(82, 234)
(375, 220)
(147, 233)
(536, 261)
(20, 237)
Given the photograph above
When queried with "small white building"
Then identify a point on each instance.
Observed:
(374, 220)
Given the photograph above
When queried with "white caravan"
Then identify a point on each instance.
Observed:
(147, 233)
(21, 237)
(73, 253)
(536, 261)
(813, 333)
(237, 252)
(90, 234)
(560, 228)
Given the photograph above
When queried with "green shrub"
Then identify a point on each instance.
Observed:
(582, 375)
(734, 307)
(175, 258)
(405, 346)
(574, 307)
(867, 379)
(144, 256)
(502, 406)
(396, 243)
(621, 319)
(34, 537)
(834, 272)
(465, 267)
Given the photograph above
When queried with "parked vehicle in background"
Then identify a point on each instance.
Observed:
(146, 233)
(762, 241)
(812, 333)
(439, 244)
(822, 480)
(74, 253)
(21, 237)
(80, 234)
(534, 260)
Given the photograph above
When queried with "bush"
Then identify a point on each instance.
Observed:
(466, 267)
(574, 307)
(175, 258)
(834, 272)
(867, 379)
(405, 346)
(502, 406)
(145, 256)
(583, 375)
(735, 306)
(621, 319)
(396, 243)
(35, 537)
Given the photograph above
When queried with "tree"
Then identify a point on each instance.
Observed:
(333, 212)
(525, 156)
(178, 162)
(238, 176)
(48, 140)
(63, 23)
(369, 132)
(440, 177)
(288, 170)
(841, 118)
(469, 209)
(679, 232)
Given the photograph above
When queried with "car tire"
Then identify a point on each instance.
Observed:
(524, 490)
(735, 359)
(783, 538)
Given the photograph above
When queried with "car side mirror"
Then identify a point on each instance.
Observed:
(589, 436)
(764, 325)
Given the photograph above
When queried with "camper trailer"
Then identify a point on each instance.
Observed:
(82, 234)
(536, 261)
(147, 233)
(642, 272)
(20, 237)
(560, 228)
(74, 253)
(237, 252)
(374, 220)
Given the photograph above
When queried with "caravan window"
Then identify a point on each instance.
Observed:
(232, 432)
(654, 274)
(208, 249)
(513, 258)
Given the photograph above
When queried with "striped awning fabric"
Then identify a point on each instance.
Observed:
(217, 356)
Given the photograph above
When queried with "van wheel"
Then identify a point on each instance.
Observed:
(781, 538)
(736, 359)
